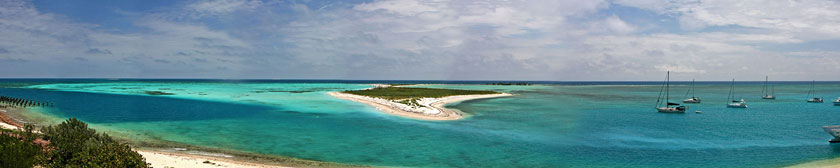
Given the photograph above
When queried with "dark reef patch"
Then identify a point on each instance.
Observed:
(158, 93)
(282, 91)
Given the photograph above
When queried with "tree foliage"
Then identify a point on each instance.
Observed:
(71, 144)
(395, 93)
(17, 149)
(76, 145)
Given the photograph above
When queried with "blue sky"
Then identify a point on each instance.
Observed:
(421, 39)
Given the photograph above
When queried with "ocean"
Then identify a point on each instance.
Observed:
(549, 124)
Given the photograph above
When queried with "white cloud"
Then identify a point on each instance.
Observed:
(612, 25)
(508, 17)
(220, 7)
(427, 39)
(809, 19)
(402, 7)
(47, 45)
(678, 68)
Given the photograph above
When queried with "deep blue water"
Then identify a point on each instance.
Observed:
(109, 108)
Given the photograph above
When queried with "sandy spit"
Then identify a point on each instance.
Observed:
(434, 109)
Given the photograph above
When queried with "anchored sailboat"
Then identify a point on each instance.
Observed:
(815, 99)
(734, 103)
(768, 94)
(677, 108)
(693, 99)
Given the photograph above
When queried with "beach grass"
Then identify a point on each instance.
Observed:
(400, 84)
(398, 93)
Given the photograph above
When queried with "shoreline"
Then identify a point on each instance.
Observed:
(174, 154)
(162, 158)
(434, 109)
(831, 162)
(6, 122)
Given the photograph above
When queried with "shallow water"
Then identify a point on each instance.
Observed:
(566, 125)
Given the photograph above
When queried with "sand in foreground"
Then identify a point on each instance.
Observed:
(835, 162)
(179, 160)
(434, 111)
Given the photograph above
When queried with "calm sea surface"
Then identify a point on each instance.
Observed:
(555, 124)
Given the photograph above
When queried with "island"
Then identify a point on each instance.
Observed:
(415, 103)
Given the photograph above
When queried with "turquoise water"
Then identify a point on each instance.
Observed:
(564, 125)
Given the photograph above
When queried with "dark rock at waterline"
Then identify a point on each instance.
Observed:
(286, 91)
(158, 93)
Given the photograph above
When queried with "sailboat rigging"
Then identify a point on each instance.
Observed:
(693, 99)
(768, 94)
(815, 99)
(677, 108)
(734, 103)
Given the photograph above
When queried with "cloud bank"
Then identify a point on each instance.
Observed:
(429, 39)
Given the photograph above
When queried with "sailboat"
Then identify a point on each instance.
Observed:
(677, 108)
(837, 102)
(734, 103)
(693, 99)
(815, 99)
(768, 94)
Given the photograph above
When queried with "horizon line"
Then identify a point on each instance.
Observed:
(480, 80)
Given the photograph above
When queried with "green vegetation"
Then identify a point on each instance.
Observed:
(18, 150)
(399, 93)
(517, 83)
(71, 144)
(410, 102)
(400, 84)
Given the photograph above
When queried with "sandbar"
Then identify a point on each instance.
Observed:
(433, 108)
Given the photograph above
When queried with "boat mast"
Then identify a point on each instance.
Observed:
(764, 90)
(667, 87)
(659, 99)
(692, 88)
(731, 89)
(811, 89)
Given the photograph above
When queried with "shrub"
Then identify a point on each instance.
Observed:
(76, 145)
(18, 151)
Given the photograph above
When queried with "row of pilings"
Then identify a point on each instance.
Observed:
(21, 102)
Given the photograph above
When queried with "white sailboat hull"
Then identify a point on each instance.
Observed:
(768, 97)
(671, 109)
(837, 102)
(815, 100)
(692, 100)
(737, 105)
(734, 103)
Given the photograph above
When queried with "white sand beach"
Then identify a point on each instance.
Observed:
(7, 126)
(431, 109)
(4, 119)
(183, 160)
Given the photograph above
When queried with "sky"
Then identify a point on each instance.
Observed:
(568, 40)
